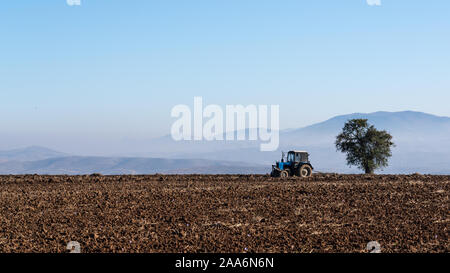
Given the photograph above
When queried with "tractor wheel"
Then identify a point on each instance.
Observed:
(284, 173)
(305, 171)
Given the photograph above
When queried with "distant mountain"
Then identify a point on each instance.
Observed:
(422, 141)
(406, 126)
(29, 154)
(422, 144)
(121, 165)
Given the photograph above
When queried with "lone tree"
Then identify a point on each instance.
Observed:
(366, 147)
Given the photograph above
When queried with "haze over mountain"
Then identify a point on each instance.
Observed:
(29, 154)
(422, 145)
(123, 165)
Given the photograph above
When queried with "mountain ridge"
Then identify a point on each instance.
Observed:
(29, 153)
(76, 165)
(422, 145)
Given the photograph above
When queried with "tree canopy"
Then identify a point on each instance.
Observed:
(365, 146)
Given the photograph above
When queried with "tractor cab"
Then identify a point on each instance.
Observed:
(298, 156)
(297, 163)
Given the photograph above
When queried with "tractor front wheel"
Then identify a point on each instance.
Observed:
(284, 173)
(305, 171)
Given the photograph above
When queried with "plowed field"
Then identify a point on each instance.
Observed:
(224, 213)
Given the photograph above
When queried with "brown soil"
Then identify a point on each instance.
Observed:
(224, 213)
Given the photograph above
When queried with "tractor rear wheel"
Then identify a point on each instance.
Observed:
(305, 171)
(284, 174)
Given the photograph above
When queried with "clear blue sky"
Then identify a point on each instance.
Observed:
(115, 68)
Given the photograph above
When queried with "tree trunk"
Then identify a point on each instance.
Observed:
(368, 170)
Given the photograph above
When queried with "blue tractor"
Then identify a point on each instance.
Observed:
(297, 164)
